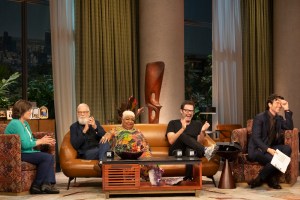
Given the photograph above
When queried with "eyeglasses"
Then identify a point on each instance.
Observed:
(82, 112)
(188, 111)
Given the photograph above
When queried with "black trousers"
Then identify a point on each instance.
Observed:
(183, 143)
(266, 158)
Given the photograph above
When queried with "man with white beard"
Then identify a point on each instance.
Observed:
(86, 134)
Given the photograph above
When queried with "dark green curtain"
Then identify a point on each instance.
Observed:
(257, 55)
(106, 43)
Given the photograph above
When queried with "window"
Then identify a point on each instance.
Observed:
(197, 53)
(27, 28)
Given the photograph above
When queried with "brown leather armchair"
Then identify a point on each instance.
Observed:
(73, 167)
(225, 131)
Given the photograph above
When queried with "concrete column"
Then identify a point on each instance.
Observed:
(286, 53)
(162, 39)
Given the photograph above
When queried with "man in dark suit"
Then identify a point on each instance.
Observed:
(267, 136)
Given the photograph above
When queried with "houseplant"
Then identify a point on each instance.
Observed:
(7, 94)
(198, 83)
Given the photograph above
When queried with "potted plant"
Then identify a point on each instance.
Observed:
(198, 83)
(7, 95)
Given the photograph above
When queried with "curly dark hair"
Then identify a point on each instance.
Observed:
(20, 107)
(187, 102)
(272, 98)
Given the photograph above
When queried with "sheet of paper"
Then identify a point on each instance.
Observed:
(280, 161)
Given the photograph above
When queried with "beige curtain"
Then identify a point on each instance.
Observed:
(106, 54)
(227, 62)
(62, 41)
(257, 55)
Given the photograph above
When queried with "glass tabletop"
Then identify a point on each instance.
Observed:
(154, 160)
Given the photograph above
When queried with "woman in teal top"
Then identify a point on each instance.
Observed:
(44, 182)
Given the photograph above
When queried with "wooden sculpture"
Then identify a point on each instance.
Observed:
(153, 81)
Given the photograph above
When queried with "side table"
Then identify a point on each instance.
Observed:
(229, 152)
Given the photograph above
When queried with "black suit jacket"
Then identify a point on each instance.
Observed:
(261, 128)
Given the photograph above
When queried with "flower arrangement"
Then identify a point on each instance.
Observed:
(152, 173)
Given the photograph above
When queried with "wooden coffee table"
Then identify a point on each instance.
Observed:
(123, 176)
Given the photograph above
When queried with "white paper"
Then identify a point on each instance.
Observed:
(280, 161)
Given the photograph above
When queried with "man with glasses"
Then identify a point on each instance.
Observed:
(184, 134)
(86, 134)
(268, 136)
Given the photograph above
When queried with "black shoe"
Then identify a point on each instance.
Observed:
(255, 182)
(273, 183)
(49, 189)
(188, 178)
(35, 189)
(275, 186)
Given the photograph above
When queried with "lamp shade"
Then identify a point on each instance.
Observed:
(207, 110)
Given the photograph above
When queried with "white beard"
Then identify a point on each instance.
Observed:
(83, 120)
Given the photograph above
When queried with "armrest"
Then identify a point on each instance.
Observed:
(292, 139)
(240, 136)
(67, 153)
(224, 133)
(45, 148)
(10, 156)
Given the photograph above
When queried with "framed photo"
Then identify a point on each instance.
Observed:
(2, 113)
(9, 114)
(35, 113)
(43, 112)
(33, 103)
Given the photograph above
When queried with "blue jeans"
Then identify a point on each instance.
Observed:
(98, 152)
(45, 167)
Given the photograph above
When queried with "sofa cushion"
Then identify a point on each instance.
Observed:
(25, 166)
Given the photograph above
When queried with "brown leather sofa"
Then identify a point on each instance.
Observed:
(73, 167)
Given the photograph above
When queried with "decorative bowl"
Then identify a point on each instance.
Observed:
(129, 155)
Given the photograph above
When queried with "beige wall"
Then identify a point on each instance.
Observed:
(162, 39)
(287, 53)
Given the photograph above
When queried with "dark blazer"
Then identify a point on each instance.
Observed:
(261, 127)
